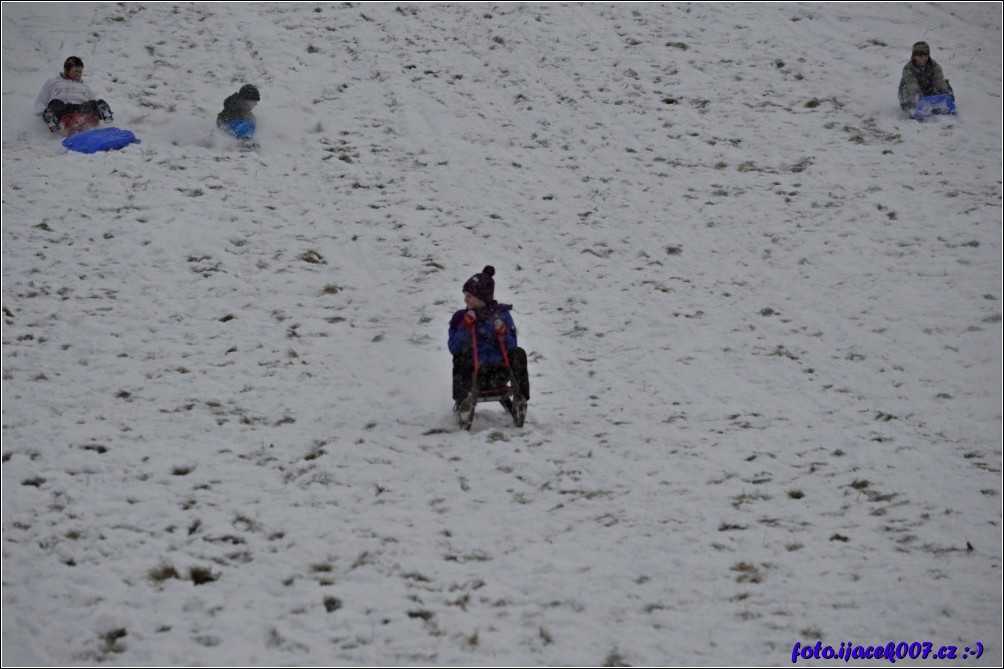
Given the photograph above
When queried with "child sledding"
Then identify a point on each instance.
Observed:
(488, 364)
(67, 104)
(923, 89)
(237, 118)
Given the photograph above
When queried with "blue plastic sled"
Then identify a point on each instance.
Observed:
(934, 104)
(240, 128)
(102, 139)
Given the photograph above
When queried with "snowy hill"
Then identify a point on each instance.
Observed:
(762, 309)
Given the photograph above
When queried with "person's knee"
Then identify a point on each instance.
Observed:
(517, 359)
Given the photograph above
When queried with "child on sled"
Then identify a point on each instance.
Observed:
(66, 102)
(237, 118)
(486, 327)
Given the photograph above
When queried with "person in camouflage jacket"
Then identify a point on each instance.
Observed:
(921, 77)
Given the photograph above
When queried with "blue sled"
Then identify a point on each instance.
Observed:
(239, 128)
(934, 104)
(102, 139)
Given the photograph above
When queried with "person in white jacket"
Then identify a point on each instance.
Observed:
(68, 94)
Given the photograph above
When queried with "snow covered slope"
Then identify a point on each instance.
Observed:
(762, 308)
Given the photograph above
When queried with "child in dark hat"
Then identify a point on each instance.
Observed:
(237, 118)
(484, 317)
(921, 77)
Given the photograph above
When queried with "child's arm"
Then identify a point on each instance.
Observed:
(459, 338)
(510, 336)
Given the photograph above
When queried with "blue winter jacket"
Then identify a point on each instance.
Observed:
(488, 345)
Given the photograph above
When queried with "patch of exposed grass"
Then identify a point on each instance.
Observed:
(202, 575)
